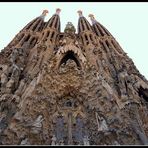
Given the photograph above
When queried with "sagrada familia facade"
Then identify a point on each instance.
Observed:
(68, 88)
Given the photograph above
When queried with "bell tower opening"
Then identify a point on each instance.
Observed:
(70, 55)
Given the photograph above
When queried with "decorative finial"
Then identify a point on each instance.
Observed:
(45, 12)
(58, 10)
(92, 18)
(80, 13)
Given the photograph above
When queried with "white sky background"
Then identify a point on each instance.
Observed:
(127, 22)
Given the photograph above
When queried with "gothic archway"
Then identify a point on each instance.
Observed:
(70, 55)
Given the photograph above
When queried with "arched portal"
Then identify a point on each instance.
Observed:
(70, 55)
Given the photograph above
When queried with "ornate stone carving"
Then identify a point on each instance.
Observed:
(102, 125)
(70, 29)
(70, 88)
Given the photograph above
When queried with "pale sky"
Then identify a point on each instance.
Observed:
(127, 22)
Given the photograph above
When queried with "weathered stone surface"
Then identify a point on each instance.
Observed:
(68, 88)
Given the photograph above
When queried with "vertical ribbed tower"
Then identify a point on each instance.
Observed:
(68, 88)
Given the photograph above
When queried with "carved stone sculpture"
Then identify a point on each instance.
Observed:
(86, 140)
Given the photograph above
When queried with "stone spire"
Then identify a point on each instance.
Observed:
(83, 24)
(51, 28)
(36, 25)
(54, 21)
(85, 29)
(101, 31)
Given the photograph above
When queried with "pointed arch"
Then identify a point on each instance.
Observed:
(69, 55)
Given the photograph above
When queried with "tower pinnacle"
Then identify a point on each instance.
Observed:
(44, 13)
(92, 18)
(58, 10)
(80, 13)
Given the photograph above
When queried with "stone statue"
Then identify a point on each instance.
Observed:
(25, 142)
(15, 71)
(21, 87)
(54, 139)
(13, 82)
(116, 143)
(4, 75)
(37, 124)
(61, 142)
(4, 79)
(122, 77)
(13, 55)
(106, 86)
(22, 56)
(10, 86)
(102, 125)
(86, 140)
(3, 117)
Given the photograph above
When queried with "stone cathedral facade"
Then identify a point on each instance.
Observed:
(68, 88)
